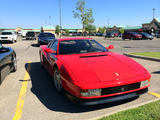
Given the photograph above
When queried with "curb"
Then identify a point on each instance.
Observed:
(142, 57)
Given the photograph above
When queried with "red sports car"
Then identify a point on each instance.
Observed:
(90, 74)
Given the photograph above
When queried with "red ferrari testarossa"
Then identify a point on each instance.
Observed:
(90, 74)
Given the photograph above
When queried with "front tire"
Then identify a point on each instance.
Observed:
(14, 64)
(57, 81)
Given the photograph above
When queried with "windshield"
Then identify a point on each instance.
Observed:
(46, 35)
(80, 46)
(6, 33)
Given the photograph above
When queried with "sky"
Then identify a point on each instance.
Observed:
(35, 13)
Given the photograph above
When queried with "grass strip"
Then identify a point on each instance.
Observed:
(149, 111)
(148, 54)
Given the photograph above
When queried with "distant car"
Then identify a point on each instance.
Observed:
(8, 36)
(146, 36)
(90, 74)
(45, 38)
(8, 62)
(30, 36)
(131, 36)
(109, 35)
(157, 35)
(99, 34)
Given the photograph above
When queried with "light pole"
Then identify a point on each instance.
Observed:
(60, 23)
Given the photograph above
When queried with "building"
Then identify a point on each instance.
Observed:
(125, 28)
(152, 27)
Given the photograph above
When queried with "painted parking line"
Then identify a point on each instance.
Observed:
(20, 102)
(154, 94)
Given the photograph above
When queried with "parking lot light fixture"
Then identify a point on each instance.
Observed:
(60, 23)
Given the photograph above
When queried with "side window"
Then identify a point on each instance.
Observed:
(53, 46)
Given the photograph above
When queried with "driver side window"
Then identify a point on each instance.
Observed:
(54, 45)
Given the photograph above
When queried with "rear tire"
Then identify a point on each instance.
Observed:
(57, 81)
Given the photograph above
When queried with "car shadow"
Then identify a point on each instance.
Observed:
(43, 88)
(35, 45)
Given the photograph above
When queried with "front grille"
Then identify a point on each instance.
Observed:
(119, 89)
(4, 37)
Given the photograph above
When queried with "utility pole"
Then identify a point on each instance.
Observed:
(153, 12)
(108, 22)
(60, 23)
(49, 20)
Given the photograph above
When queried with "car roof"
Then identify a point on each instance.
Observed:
(74, 38)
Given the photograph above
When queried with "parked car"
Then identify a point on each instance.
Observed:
(45, 38)
(146, 36)
(109, 35)
(8, 36)
(30, 36)
(157, 35)
(131, 36)
(8, 62)
(99, 34)
(90, 73)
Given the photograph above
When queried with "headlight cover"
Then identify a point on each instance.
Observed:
(144, 83)
(91, 92)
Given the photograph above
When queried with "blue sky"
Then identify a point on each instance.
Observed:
(35, 13)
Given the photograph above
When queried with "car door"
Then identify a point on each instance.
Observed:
(5, 62)
(52, 57)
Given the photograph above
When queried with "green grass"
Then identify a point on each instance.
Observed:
(149, 111)
(148, 54)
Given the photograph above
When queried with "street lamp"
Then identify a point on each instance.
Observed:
(60, 17)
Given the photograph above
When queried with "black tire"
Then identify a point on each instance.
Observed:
(41, 61)
(14, 64)
(57, 81)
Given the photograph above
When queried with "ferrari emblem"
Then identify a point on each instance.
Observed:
(116, 74)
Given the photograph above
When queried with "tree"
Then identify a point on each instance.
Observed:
(42, 29)
(84, 14)
(121, 30)
(57, 29)
(90, 28)
(66, 31)
(102, 30)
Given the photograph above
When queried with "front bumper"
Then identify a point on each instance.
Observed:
(106, 99)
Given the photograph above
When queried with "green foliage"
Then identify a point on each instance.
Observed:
(42, 29)
(121, 30)
(83, 14)
(57, 29)
(90, 28)
(102, 30)
(66, 31)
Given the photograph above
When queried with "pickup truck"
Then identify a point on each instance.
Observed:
(8, 36)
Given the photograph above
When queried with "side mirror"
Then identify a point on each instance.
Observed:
(110, 47)
(48, 50)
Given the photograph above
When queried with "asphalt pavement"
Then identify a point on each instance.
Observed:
(40, 101)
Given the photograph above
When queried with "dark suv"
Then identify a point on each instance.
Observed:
(131, 36)
(30, 36)
(44, 38)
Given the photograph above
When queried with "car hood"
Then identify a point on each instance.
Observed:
(102, 67)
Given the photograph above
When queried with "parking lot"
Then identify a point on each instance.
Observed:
(40, 101)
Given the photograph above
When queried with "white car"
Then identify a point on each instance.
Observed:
(8, 36)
